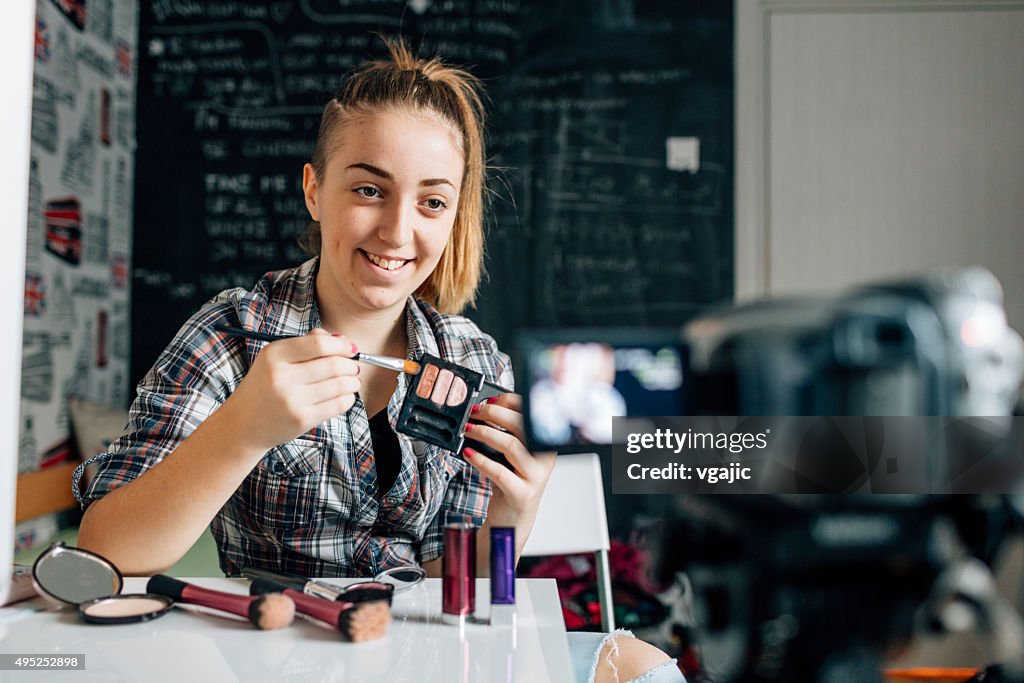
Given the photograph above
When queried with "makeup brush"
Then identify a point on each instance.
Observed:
(265, 611)
(356, 621)
(363, 591)
(409, 367)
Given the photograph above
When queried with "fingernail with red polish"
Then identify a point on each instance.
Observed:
(469, 425)
(475, 409)
(468, 453)
(493, 399)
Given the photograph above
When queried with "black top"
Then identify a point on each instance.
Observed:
(386, 452)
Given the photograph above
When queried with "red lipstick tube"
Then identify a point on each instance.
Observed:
(458, 571)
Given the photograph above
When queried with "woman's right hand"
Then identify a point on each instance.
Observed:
(294, 385)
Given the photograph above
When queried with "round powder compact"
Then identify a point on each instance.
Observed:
(125, 609)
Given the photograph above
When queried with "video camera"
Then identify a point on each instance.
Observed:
(811, 587)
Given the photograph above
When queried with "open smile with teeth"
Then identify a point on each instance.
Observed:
(386, 264)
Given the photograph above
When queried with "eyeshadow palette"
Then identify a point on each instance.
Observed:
(437, 405)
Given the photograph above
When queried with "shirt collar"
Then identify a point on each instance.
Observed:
(292, 308)
(307, 313)
(419, 331)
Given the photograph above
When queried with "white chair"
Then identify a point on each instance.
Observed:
(572, 519)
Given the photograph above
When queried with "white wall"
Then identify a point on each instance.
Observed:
(881, 138)
(878, 139)
(16, 57)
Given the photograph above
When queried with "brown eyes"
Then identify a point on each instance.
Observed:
(368, 191)
(432, 204)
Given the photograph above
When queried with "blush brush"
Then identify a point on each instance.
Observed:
(266, 612)
(356, 621)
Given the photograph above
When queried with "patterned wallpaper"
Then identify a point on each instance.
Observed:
(76, 327)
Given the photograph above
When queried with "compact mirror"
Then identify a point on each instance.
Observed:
(402, 578)
(73, 576)
(92, 583)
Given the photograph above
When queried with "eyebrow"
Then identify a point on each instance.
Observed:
(428, 182)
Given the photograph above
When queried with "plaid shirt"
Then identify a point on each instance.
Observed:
(310, 506)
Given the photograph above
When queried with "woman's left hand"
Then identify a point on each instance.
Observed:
(516, 492)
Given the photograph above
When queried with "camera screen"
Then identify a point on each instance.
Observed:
(575, 388)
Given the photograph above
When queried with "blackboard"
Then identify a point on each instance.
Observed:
(589, 226)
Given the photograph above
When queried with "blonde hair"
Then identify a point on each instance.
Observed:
(455, 96)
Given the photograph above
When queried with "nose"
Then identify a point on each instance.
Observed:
(397, 227)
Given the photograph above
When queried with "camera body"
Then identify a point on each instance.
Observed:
(937, 345)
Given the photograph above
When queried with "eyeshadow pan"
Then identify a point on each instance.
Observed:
(435, 419)
(435, 422)
(441, 386)
(436, 408)
(427, 381)
(457, 394)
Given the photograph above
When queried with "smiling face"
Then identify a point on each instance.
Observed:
(386, 205)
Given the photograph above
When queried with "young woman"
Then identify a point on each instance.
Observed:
(287, 450)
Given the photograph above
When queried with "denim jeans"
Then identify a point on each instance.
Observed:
(585, 648)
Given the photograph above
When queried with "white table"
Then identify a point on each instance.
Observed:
(189, 647)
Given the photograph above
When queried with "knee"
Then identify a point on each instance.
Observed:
(623, 658)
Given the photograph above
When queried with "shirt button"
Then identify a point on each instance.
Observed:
(279, 467)
(370, 489)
